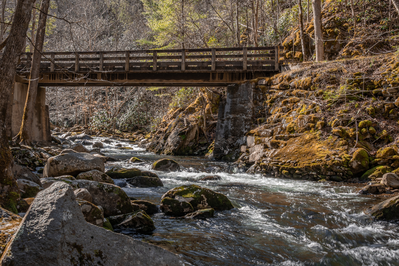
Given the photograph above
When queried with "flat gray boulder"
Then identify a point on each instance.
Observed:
(54, 232)
(72, 163)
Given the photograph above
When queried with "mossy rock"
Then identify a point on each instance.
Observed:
(149, 207)
(360, 161)
(135, 160)
(365, 124)
(145, 181)
(128, 173)
(386, 153)
(166, 165)
(379, 172)
(372, 131)
(107, 225)
(198, 197)
(386, 210)
(140, 221)
(91, 212)
(175, 207)
(28, 188)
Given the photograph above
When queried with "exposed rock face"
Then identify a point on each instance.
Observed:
(95, 175)
(234, 121)
(145, 181)
(390, 180)
(28, 188)
(79, 148)
(73, 241)
(166, 165)
(83, 194)
(139, 221)
(72, 164)
(185, 199)
(386, 210)
(111, 198)
(146, 206)
(129, 173)
(22, 172)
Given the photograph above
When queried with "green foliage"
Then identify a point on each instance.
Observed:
(184, 97)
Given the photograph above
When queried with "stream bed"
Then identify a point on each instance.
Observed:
(274, 222)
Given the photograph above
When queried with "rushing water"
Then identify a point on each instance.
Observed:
(274, 222)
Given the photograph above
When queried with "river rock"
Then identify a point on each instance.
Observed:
(54, 232)
(22, 172)
(111, 198)
(79, 148)
(98, 145)
(139, 221)
(82, 136)
(135, 160)
(128, 173)
(390, 180)
(373, 189)
(360, 161)
(201, 214)
(95, 175)
(149, 207)
(210, 178)
(386, 210)
(9, 223)
(28, 188)
(145, 181)
(166, 165)
(83, 194)
(72, 164)
(177, 201)
(91, 212)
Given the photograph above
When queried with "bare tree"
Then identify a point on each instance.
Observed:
(304, 50)
(396, 4)
(9, 191)
(24, 134)
(319, 45)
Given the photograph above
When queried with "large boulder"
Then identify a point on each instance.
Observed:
(128, 173)
(28, 188)
(166, 165)
(145, 181)
(111, 198)
(139, 221)
(54, 232)
(386, 210)
(360, 161)
(390, 180)
(72, 163)
(22, 172)
(79, 148)
(185, 199)
(95, 175)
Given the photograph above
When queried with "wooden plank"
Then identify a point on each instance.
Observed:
(183, 60)
(244, 58)
(76, 62)
(127, 62)
(154, 61)
(52, 67)
(213, 59)
(276, 66)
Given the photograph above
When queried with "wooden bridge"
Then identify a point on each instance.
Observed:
(191, 67)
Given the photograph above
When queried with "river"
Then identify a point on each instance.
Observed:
(274, 222)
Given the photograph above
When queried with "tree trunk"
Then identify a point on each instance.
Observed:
(3, 20)
(32, 35)
(304, 50)
(24, 134)
(308, 13)
(238, 24)
(9, 191)
(319, 45)
(396, 4)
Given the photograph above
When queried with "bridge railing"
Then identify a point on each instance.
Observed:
(190, 60)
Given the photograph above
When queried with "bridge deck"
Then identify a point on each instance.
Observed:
(191, 67)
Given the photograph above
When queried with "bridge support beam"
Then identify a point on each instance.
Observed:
(41, 120)
(234, 121)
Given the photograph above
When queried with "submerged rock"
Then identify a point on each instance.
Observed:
(390, 180)
(185, 199)
(146, 206)
(72, 164)
(139, 221)
(128, 173)
(145, 181)
(95, 175)
(166, 165)
(69, 240)
(28, 188)
(386, 210)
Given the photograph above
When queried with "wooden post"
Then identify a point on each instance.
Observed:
(101, 68)
(52, 64)
(213, 59)
(154, 61)
(29, 60)
(276, 59)
(127, 63)
(77, 62)
(245, 58)
(183, 60)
